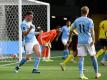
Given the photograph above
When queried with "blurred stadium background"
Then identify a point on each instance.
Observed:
(70, 9)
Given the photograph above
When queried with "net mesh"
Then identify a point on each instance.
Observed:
(9, 31)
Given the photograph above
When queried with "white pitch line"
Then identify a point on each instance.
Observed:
(18, 62)
(9, 64)
(57, 57)
(6, 61)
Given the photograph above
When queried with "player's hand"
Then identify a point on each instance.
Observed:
(46, 44)
(49, 45)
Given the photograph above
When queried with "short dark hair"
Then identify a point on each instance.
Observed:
(29, 13)
(84, 10)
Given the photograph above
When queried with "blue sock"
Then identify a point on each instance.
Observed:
(23, 61)
(65, 53)
(95, 64)
(81, 65)
(36, 63)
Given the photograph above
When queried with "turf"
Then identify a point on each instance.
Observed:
(51, 71)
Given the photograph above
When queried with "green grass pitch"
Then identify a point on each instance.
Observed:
(51, 70)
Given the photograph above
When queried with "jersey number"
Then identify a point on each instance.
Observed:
(82, 28)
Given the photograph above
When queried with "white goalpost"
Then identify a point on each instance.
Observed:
(11, 15)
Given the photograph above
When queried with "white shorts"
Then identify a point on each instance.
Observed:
(64, 41)
(29, 47)
(85, 49)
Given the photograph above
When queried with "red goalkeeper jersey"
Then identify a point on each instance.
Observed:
(46, 37)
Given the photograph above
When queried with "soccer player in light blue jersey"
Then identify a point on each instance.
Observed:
(86, 40)
(31, 43)
(65, 37)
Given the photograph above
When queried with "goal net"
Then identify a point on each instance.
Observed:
(11, 12)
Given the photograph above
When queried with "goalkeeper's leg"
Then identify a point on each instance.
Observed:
(44, 52)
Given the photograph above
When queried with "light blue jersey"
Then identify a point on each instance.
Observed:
(25, 27)
(65, 32)
(83, 25)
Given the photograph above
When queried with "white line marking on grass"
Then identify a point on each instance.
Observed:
(6, 61)
(18, 62)
(53, 57)
(9, 64)
(57, 57)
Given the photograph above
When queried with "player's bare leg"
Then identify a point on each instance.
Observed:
(44, 52)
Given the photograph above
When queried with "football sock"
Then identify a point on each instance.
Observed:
(23, 61)
(69, 58)
(36, 63)
(95, 64)
(81, 65)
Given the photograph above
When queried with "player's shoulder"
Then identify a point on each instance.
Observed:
(84, 18)
(90, 20)
(78, 19)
